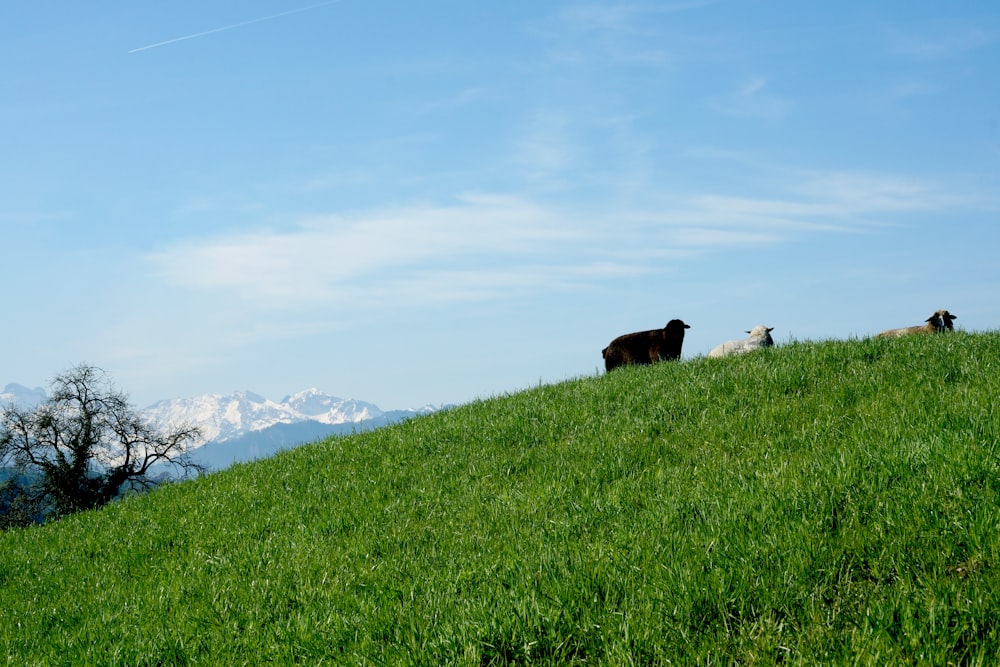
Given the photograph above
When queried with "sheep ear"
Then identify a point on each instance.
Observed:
(746, 332)
(770, 330)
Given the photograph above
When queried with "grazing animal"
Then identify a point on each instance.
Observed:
(646, 347)
(939, 322)
(760, 336)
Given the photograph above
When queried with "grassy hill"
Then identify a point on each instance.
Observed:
(818, 503)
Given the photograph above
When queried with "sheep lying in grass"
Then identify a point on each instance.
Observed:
(646, 347)
(760, 336)
(939, 322)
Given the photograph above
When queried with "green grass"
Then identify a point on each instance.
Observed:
(819, 503)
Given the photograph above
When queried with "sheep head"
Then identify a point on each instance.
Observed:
(762, 334)
(942, 320)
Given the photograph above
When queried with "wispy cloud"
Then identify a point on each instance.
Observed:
(945, 43)
(619, 17)
(620, 33)
(232, 26)
(487, 246)
(860, 193)
(750, 99)
(330, 258)
(546, 148)
(911, 88)
(453, 101)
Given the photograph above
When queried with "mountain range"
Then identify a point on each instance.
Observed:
(244, 426)
(21, 395)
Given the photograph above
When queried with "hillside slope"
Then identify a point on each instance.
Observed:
(818, 503)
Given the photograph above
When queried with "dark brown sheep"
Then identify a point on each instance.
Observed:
(646, 347)
(939, 322)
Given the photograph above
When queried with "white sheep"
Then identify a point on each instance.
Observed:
(760, 336)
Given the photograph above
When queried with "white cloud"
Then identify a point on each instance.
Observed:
(546, 149)
(591, 33)
(750, 99)
(944, 44)
(488, 246)
(457, 99)
(904, 90)
(859, 193)
(619, 17)
(324, 258)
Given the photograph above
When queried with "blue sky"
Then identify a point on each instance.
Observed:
(433, 202)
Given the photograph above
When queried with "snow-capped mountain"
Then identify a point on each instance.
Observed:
(221, 418)
(330, 409)
(244, 426)
(21, 396)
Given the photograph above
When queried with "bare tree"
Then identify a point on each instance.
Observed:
(85, 444)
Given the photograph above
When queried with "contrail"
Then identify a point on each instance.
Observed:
(234, 25)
